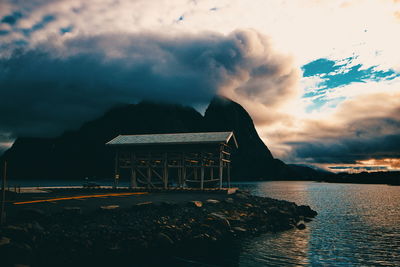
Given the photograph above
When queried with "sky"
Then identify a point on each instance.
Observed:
(320, 78)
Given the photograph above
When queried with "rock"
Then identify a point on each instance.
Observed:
(109, 207)
(212, 201)
(31, 214)
(306, 211)
(73, 210)
(239, 229)
(4, 241)
(242, 196)
(164, 239)
(197, 204)
(142, 204)
(36, 227)
(229, 200)
(301, 226)
(226, 224)
(218, 215)
(16, 233)
(220, 222)
(231, 191)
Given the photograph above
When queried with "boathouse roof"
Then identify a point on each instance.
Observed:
(174, 138)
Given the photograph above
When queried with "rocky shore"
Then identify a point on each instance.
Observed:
(144, 235)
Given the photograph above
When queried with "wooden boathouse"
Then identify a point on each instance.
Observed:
(200, 160)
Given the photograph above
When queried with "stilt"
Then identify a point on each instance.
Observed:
(202, 172)
(221, 167)
(179, 184)
(183, 170)
(148, 170)
(116, 170)
(165, 171)
(228, 170)
(133, 171)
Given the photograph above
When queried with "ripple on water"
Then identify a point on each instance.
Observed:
(357, 225)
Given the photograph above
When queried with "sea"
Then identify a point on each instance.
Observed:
(356, 225)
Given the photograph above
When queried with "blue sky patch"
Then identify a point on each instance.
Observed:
(40, 25)
(318, 67)
(12, 18)
(334, 74)
(66, 29)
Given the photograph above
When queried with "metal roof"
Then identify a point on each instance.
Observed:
(173, 138)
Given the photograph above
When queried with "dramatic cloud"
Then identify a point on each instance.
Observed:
(60, 59)
(361, 128)
(53, 86)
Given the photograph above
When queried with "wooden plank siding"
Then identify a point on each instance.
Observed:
(175, 165)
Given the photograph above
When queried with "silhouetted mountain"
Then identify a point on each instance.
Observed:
(383, 177)
(82, 153)
(309, 172)
(253, 158)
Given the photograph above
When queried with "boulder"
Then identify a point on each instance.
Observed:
(241, 195)
(73, 210)
(218, 215)
(306, 211)
(239, 229)
(164, 240)
(143, 204)
(196, 203)
(109, 207)
(212, 201)
(16, 233)
(229, 200)
(31, 214)
(35, 227)
(300, 225)
(4, 241)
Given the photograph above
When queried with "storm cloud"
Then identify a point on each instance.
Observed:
(364, 128)
(53, 86)
(63, 62)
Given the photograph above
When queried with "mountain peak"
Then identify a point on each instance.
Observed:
(82, 153)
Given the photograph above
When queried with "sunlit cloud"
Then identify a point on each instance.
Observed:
(314, 75)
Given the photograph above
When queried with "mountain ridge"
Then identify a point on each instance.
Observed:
(82, 153)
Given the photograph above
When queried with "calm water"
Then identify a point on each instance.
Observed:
(357, 225)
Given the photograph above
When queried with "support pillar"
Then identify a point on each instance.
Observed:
(149, 170)
(179, 170)
(221, 168)
(183, 170)
(228, 170)
(133, 171)
(116, 169)
(202, 172)
(165, 171)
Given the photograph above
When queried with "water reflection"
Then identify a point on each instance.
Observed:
(289, 248)
(357, 225)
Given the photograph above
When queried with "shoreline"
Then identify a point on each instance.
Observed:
(70, 237)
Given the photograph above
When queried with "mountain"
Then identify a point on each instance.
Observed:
(382, 177)
(253, 158)
(82, 153)
(309, 172)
